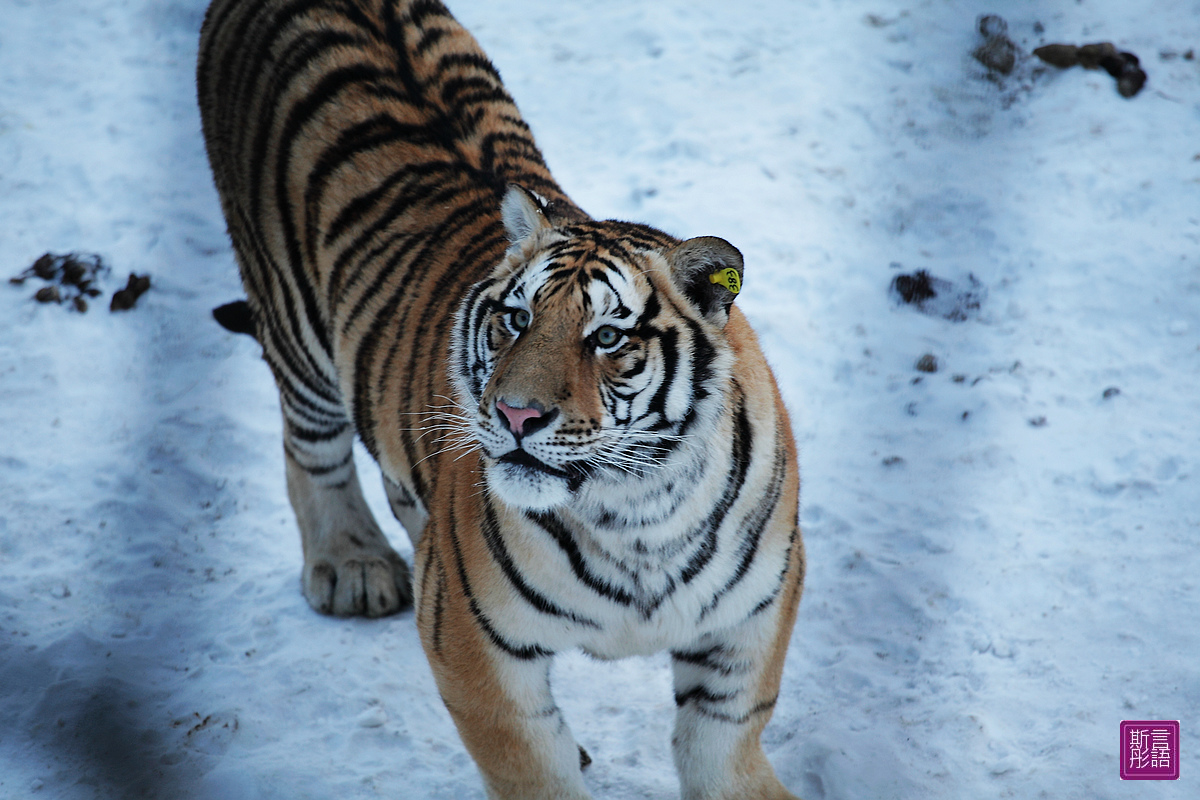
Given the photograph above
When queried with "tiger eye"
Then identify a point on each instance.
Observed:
(607, 336)
(520, 319)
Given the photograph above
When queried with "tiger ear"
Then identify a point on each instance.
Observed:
(522, 214)
(709, 271)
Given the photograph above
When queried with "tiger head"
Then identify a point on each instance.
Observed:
(594, 352)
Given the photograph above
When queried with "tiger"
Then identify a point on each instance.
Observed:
(575, 425)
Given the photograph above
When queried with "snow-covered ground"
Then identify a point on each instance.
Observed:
(1002, 553)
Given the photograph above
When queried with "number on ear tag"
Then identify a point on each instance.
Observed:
(728, 278)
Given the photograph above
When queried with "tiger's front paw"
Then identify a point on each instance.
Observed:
(350, 568)
(358, 584)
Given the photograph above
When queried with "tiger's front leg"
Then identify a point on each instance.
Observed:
(726, 686)
(349, 566)
(496, 689)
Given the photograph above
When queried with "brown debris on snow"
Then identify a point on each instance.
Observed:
(135, 287)
(70, 277)
(1123, 66)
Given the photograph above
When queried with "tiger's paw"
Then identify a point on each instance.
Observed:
(350, 568)
(359, 584)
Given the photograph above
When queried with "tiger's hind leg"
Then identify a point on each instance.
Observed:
(349, 566)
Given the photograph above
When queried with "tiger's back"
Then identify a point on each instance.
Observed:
(360, 150)
(639, 493)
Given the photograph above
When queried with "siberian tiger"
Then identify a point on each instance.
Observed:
(575, 426)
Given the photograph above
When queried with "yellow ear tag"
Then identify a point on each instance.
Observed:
(728, 278)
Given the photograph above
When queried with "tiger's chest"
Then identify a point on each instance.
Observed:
(675, 623)
(611, 592)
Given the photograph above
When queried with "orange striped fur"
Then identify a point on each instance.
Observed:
(575, 425)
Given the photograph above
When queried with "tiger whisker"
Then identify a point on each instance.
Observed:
(435, 429)
(467, 446)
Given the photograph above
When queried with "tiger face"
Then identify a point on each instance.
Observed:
(591, 353)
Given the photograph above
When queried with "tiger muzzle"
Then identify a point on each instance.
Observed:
(524, 420)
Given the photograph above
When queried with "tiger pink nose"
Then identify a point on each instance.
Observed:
(518, 417)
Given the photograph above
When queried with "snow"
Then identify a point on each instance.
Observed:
(1002, 559)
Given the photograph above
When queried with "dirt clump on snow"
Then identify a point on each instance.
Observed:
(939, 297)
(1002, 56)
(1124, 66)
(998, 52)
(70, 278)
(135, 287)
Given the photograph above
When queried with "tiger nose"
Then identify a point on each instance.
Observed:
(524, 420)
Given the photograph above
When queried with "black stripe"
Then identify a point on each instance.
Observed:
(710, 659)
(395, 30)
(324, 469)
(741, 719)
(522, 652)
(602, 276)
(431, 554)
(244, 56)
(437, 314)
(702, 694)
(354, 211)
(422, 10)
(462, 90)
(495, 543)
(787, 561)
(639, 366)
(297, 57)
(523, 147)
(708, 531)
(370, 134)
(483, 247)
(302, 50)
(755, 525)
(386, 319)
(287, 348)
(562, 537)
(641, 326)
(311, 435)
(669, 347)
(703, 356)
(510, 172)
(428, 39)
(439, 608)
(306, 413)
(331, 85)
(476, 60)
(475, 311)
(740, 458)
(419, 246)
